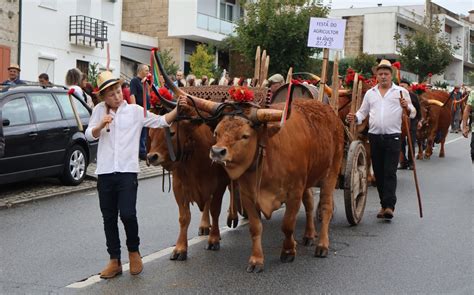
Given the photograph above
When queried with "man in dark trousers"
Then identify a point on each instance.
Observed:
(407, 161)
(385, 107)
(136, 94)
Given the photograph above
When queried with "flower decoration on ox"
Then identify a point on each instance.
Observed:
(241, 94)
(419, 88)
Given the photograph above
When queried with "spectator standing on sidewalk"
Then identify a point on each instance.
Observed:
(13, 75)
(136, 94)
(117, 167)
(74, 81)
(456, 96)
(43, 80)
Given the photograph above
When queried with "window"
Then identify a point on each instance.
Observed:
(46, 66)
(226, 11)
(45, 107)
(17, 112)
(83, 66)
(67, 108)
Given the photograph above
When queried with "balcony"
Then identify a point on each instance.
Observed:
(214, 24)
(87, 31)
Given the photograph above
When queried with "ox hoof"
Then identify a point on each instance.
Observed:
(203, 231)
(213, 247)
(308, 241)
(321, 252)
(232, 222)
(441, 155)
(287, 257)
(427, 157)
(179, 256)
(255, 268)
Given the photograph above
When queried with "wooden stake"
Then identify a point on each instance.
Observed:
(335, 84)
(324, 74)
(262, 67)
(354, 103)
(256, 75)
(265, 69)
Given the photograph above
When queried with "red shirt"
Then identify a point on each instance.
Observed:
(126, 94)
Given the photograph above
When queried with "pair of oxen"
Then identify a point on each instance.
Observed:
(272, 165)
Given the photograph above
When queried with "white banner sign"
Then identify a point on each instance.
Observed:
(326, 33)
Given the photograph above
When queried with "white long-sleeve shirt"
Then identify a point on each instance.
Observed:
(118, 149)
(385, 112)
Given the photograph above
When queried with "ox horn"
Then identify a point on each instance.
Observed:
(202, 104)
(265, 115)
(436, 102)
(327, 89)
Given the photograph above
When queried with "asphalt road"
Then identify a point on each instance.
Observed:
(48, 245)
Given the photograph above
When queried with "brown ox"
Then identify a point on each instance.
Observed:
(435, 122)
(275, 166)
(195, 179)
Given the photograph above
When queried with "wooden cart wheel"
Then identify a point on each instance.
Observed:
(355, 182)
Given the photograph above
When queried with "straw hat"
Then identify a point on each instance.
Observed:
(105, 80)
(277, 78)
(14, 66)
(384, 64)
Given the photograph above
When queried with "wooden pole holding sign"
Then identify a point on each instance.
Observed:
(335, 84)
(324, 74)
(354, 104)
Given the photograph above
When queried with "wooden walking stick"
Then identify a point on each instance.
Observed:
(410, 148)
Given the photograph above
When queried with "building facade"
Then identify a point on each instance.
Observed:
(180, 25)
(59, 35)
(9, 34)
(371, 30)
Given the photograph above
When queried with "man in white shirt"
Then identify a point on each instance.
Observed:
(384, 104)
(117, 126)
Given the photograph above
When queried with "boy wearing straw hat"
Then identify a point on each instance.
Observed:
(117, 126)
(385, 107)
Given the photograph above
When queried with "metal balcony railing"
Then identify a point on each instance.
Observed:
(88, 31)
(214, 24)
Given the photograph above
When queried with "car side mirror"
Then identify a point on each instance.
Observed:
(6, 122)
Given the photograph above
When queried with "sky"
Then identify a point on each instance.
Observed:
(457, 6)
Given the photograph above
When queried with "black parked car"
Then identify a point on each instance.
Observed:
(41, 135)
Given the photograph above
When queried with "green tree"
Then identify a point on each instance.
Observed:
(168, 62)
(425, 51)
(93, 71)
(202, 61)
(363, 64)
(281, 28)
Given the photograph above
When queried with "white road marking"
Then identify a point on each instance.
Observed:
(149, 258)
(454, 140)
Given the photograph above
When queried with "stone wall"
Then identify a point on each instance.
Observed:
(354, 36)
(9, 14)
(150, 17)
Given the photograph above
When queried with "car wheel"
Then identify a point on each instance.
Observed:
(75, 166)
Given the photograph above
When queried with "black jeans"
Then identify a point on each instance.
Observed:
(118, 194)
(385, 152)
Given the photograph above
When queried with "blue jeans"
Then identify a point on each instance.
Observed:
(118, 195)
(143, 136)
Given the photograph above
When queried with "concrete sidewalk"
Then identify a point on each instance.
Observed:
(37, 189)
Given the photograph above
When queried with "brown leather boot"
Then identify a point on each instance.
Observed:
(388, 213)
(113, 268)
(381, 212)
(136, 264)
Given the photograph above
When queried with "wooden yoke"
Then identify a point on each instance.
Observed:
(354, 104)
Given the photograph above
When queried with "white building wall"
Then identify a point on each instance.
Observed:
(379, 30)
(45, 36)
